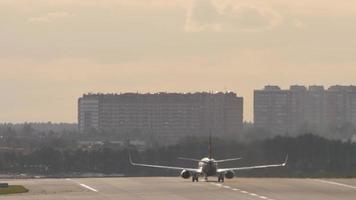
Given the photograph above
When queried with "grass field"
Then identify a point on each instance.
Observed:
(13, 189)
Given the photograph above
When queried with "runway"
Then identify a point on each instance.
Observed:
(162, 188)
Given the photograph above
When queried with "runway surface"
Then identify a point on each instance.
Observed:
(160, 188)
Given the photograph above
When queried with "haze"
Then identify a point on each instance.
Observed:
(54, 51)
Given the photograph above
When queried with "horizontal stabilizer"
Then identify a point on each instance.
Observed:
(191, 159)
(228, 160)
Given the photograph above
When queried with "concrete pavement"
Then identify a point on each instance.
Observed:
(179, 189)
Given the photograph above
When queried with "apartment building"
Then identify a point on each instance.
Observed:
(287, 111)
(166, 114)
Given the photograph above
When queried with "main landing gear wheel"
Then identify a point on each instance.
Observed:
(195, 178)
(221, 179)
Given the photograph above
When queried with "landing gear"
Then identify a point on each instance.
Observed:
(221, 178)
(195, 178)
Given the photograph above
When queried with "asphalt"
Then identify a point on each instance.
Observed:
(160, 188)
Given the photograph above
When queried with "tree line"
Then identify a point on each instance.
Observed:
(309, 156)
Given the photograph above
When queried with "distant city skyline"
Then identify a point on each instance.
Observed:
(54, 51)
(171, 115)
(284, 89)
(299, 108)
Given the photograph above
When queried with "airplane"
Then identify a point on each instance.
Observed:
(208, 167)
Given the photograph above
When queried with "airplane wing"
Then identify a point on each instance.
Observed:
(164, 167)
(254, 167)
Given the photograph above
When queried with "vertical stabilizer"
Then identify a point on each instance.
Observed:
(210, 147)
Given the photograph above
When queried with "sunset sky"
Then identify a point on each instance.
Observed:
(54, 51)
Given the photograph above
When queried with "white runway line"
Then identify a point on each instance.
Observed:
(88, 187)
(83, 185)
(242, 191)
(219, 185)
(335, 183)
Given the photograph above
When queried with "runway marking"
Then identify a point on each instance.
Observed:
(219, 185)
(242, 191)
(83, 185)
(88, 187)
(335, 183)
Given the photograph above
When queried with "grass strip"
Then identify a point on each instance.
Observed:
(13, 189)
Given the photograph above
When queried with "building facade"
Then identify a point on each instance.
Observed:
(287, 111)
(166, 114)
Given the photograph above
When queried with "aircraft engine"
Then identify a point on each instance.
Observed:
(185, 174)
(229, 174)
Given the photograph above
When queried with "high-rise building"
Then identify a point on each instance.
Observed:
(271, 109)
(315, 108)
(162, 114)
(341, 104)
(286, 111)
(297, 110)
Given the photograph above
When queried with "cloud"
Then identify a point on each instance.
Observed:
(50, 17)
(229, 16)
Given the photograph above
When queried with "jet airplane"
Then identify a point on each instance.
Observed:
(208, 167)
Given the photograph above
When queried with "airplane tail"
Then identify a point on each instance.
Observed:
(210, 154)
(210, 147)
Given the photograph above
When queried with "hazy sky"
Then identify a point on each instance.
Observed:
(53, 51)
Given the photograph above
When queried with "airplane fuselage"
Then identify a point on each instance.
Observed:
(209, 167)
